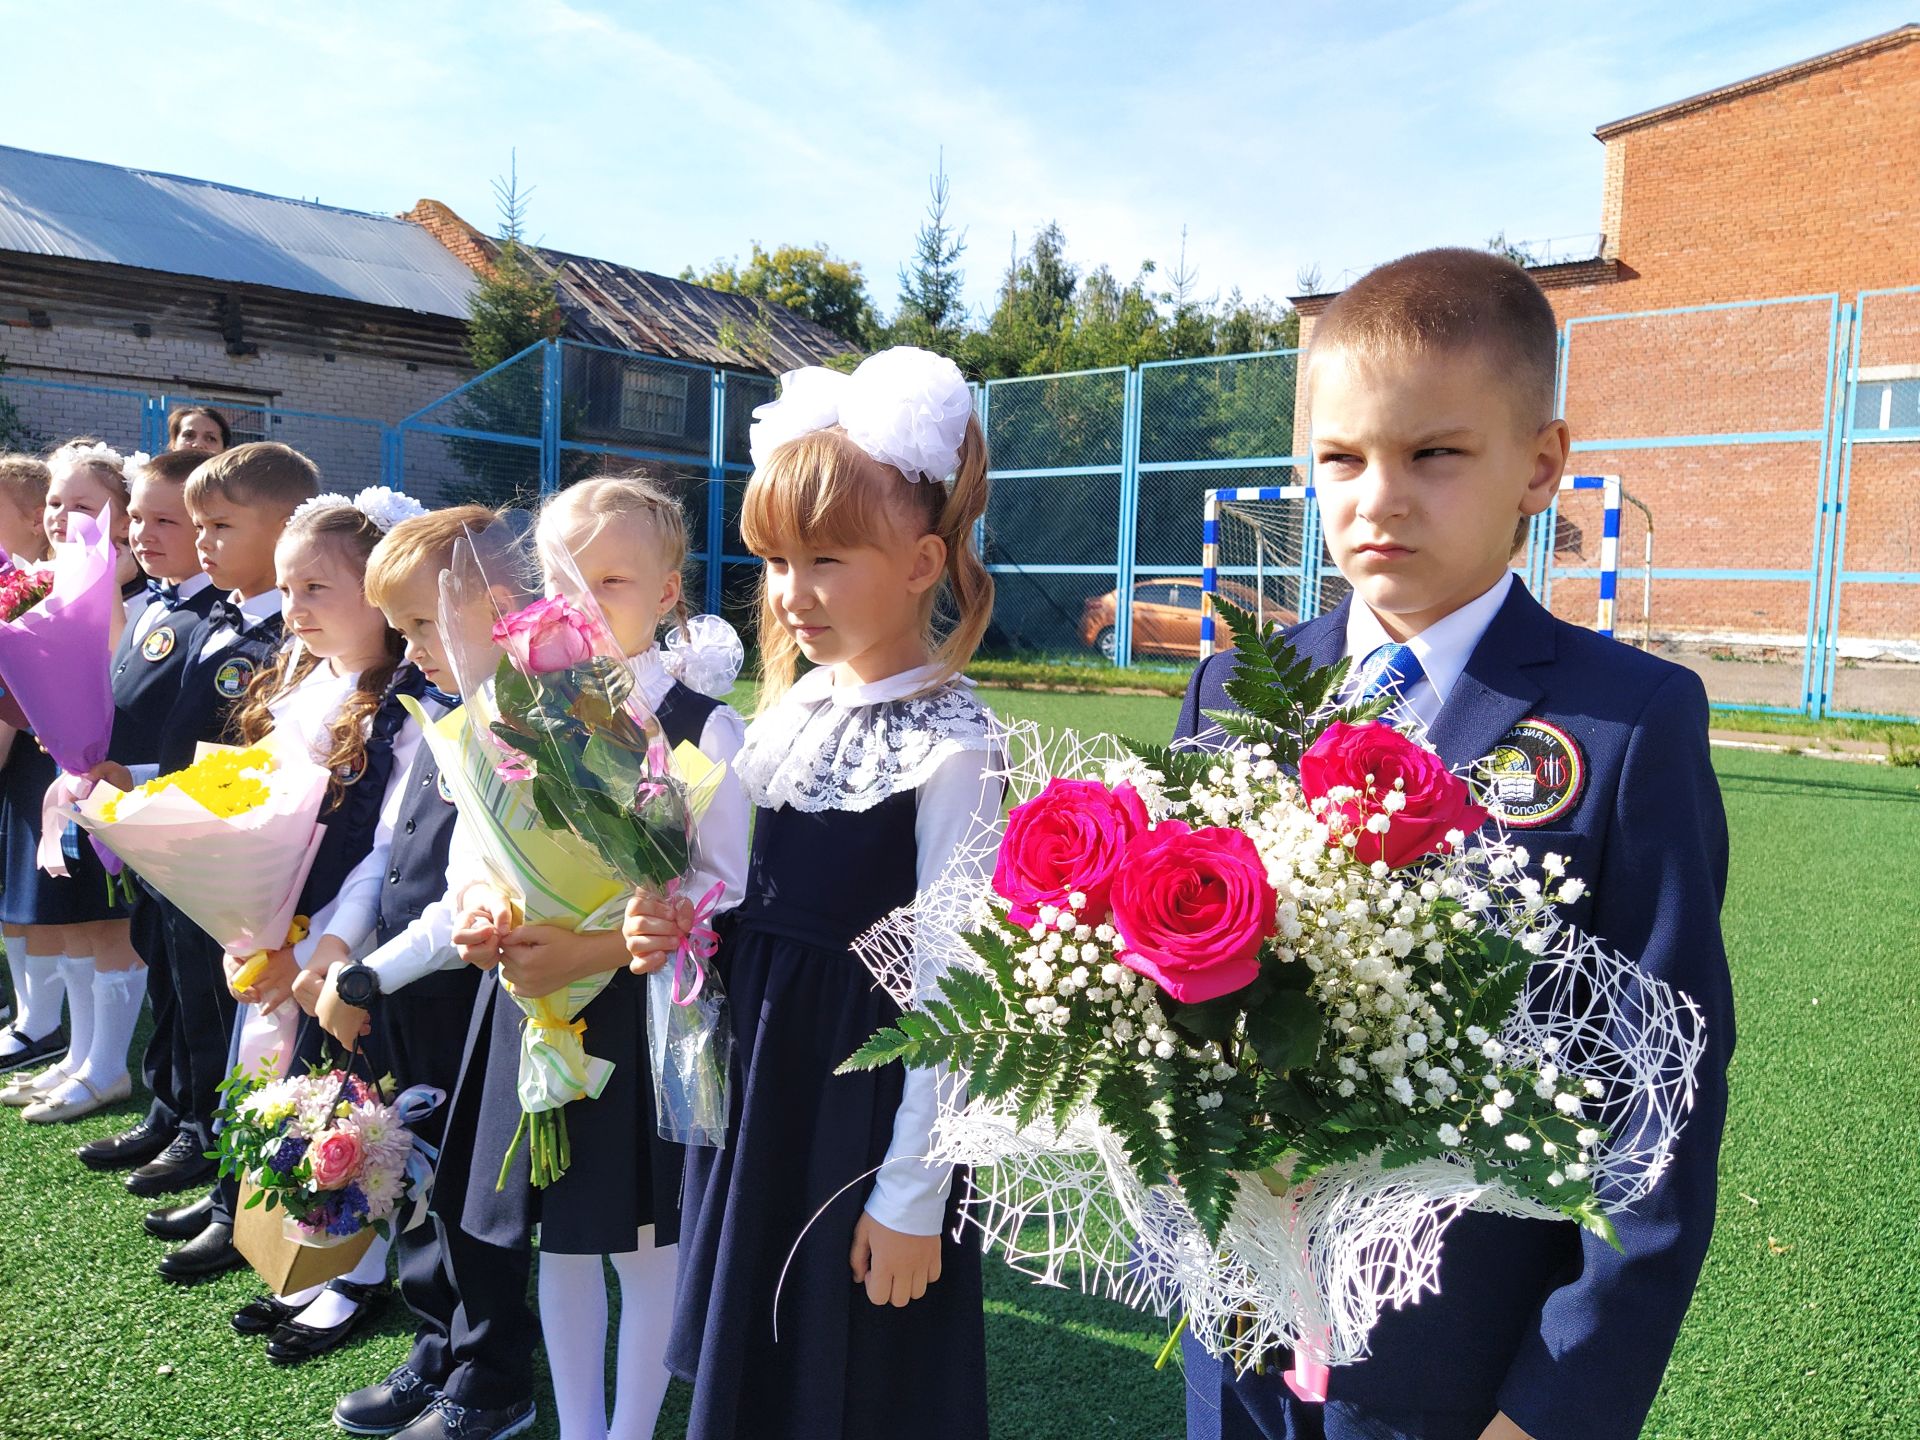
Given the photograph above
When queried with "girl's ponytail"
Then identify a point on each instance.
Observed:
(969, 586)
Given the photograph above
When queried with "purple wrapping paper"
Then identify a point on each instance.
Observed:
(55, 659)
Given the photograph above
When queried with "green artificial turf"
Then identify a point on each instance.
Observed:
(1804, 1324)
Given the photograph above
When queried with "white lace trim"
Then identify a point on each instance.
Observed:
(816, 752)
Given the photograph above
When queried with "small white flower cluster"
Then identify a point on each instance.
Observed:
(1072, 971)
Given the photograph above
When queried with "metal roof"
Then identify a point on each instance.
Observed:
(632, 309)
(83, 210)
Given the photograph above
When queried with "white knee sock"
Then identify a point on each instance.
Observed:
(41, 988)
(117, 998)
(76, 972)
(573, 1322)
(646, 1314)
(329, 1307)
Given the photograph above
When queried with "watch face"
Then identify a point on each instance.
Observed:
(356, 986)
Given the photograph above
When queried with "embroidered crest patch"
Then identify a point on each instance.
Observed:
(440, 783)
(231, 679)
(1534, 776)
(159, 644)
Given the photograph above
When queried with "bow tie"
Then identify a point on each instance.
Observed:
(168, 595)
(436, 694)
(226, 613)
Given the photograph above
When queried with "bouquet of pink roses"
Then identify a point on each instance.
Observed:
(1249, 1027)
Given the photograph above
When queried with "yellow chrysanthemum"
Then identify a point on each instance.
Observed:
(228, 782)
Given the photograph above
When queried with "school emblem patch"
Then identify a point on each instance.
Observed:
(1534, 776)
(232, 678)
(349, 774)
(440, 783)
(159, 644)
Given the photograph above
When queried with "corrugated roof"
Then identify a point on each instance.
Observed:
(630, 309)
(84, 210)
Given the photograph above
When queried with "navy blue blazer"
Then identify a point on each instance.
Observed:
(1537, 1318)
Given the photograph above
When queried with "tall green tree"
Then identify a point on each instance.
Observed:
(811, 280)
(932, 311)
(513, 305)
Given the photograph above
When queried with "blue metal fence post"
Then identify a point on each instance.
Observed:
(1129, 519)
(1832, 560)
(716, 490)
(1813, 664)
(153, 424)
(550, 397)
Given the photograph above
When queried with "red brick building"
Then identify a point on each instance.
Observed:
(1797, 183)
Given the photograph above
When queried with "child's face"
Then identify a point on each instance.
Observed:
(161, 531)
(413, 609)
(856, 607)
(626, 575)
(1423, 469)
(81, 492)
(323, 603)
(235, 543)
(20, 528)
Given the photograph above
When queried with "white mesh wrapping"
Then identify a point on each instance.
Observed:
(1315, 1267)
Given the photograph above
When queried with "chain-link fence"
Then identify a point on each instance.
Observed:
(1769, 450)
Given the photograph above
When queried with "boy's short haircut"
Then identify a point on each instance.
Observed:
(24, 479)
(1452, 300)
(263, 473)
(424, 542)
(173, 466)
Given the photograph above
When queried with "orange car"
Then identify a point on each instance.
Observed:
(1166, 617)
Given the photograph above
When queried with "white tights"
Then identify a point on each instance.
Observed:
(573, 1316)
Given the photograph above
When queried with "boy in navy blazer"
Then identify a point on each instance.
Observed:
(1431, 395)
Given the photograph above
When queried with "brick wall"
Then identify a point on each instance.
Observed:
(1798, 184)
(113, 356)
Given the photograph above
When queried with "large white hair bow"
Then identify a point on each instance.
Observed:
(905, 407)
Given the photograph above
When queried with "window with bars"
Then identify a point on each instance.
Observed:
(653, 402)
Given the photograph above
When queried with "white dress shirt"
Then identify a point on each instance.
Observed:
(1443, 648)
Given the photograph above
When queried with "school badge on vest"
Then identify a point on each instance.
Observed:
(1534, 775)
(158, 645)
(231, 678)
(440, 784)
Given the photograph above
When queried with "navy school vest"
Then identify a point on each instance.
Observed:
(147, 677)
(352, 815)
(210, 689)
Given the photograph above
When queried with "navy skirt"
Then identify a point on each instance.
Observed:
(842, 1366)
(31, 896)
(623, 1175)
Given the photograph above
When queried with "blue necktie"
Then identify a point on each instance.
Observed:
(168, 595)
(1392, 670)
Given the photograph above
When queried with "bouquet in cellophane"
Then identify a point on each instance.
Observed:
(229, 840)
(1244, 1030)
(576, 801)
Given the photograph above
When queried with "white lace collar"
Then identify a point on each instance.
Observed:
(848, 747)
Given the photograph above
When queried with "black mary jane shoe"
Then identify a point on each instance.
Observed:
(27, 1051)
(263, 1315)
(294, 1342)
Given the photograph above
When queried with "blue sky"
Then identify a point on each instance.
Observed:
(659, 135)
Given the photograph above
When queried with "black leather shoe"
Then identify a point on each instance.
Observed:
(381, 1409)
(180, 1166)
(180, 1222)
(448, 1420)
(34, 1052)
(145, 1141)
(294, 1342)
(264, 1315)
(210, 1252)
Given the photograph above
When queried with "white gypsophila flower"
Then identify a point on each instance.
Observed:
(1491, 1114)
(1588, 1137)
(1449, 1135)
(1518, 1142)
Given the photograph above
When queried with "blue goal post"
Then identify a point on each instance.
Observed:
(1265, 541)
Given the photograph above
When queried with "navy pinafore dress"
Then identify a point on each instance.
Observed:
(801, 1003)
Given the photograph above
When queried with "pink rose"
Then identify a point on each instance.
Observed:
(335, 1158)
(1436, 799)
(1068, 837)
(548, 635)
(1193, 908)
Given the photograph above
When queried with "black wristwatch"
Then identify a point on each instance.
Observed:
(357, 985)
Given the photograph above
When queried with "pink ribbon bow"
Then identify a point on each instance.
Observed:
(700, 943)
